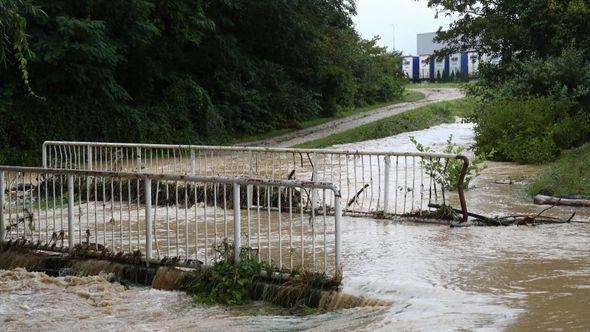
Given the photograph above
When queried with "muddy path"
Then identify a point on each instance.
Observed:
(432, 95)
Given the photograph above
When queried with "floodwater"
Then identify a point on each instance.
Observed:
(438, 278)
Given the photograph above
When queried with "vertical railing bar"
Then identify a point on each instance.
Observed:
(79, 208)
(31, 207)
(280, 228)
(405, 181)
(302, 233)
(39, 177)
(121, 212)
(70, 212)
(138, 217)
(129, 207)
(186, 221)
(268, 204)
(155, 217)
(113, 213)
(413, 180)
(396, 183)
(237, 231)
(312, 222)
(258, 220)
(215, 191)
(224, 211)
(337, 231)
(104, 222)
(167, 219)
(148, 219)
(61, 202)
(291, 190)
(205, 216)
(325, 226)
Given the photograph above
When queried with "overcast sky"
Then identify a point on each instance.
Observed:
(376, 17)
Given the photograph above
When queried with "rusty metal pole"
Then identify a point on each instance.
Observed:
(460, 184)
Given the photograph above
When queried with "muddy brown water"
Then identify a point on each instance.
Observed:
(438, 278)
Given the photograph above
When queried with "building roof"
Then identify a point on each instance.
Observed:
(426, 45)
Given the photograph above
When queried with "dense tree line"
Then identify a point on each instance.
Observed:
(536, 100)
(184, 71)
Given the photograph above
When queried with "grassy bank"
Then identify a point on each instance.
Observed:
(569, 175)
(420, 118)
(409, 96)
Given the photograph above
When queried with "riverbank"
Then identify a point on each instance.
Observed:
(417, 119)
(569, 175)
(340, 125)
(408, 97)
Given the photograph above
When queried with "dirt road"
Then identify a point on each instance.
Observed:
(340, 125)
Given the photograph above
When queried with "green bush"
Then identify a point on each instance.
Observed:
(530, 130)
(570, 175)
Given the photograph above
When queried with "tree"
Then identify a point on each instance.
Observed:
(184, 71)
(515, 29)
(14, 45)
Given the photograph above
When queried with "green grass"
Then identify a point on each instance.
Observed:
(420, 118)
(409, 96)
(569, 175)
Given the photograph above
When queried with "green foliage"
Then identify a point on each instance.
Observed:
(535, 99)
(184, 71)
(420, 118)
(447, 173)
(226, 282)
(569, 175)
(515, 29)
(14, 44)
(528, 131)
(564, 76)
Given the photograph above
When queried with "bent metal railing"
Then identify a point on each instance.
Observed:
(378, 183)
(174, 218)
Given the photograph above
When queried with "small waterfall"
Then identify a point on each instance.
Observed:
(167, 278)
(335, 300)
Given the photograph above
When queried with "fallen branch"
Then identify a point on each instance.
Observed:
(355, 198)
(580, 201)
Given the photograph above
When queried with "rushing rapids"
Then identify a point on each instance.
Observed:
(427, 276)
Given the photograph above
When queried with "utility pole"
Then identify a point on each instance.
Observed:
(393, 38)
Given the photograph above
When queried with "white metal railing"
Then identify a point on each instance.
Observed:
(174, 217)
(375, 182)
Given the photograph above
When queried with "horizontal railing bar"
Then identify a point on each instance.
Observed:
(176, 177)
(257, 149)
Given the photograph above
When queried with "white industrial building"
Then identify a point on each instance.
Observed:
(422, 67)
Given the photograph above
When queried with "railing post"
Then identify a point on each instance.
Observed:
(249, 187)
(237, 226)
(2, 225)
(386, 184)
(314, 177)
(89, 147)
(138, 160)
(70, 212)
(193, 163)
(44, 155)
(148, 220)
(337, 230)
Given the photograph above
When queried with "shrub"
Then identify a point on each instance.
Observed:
(530, 130)
(447, 173)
